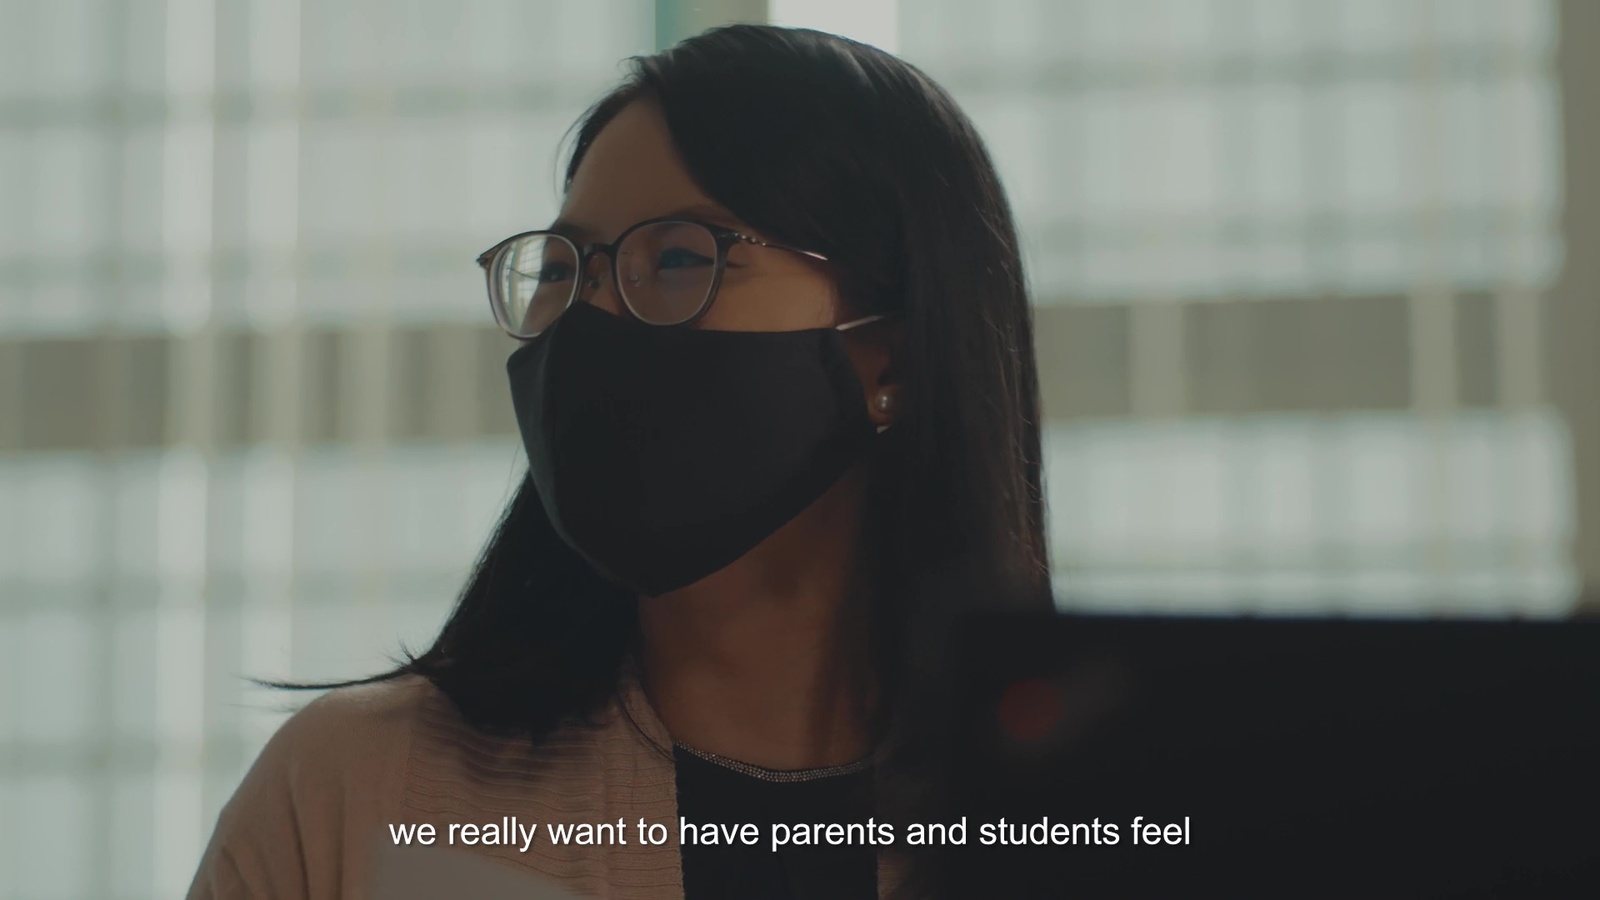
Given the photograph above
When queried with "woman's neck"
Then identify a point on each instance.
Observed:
(764, 661)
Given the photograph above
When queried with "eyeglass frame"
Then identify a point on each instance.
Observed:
(725, 239)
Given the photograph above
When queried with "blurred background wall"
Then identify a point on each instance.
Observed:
(1316, 306)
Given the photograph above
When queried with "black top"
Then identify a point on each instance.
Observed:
(710, 793)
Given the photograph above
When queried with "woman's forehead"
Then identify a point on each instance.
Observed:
(632, 172)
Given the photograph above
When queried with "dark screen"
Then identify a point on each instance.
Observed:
(1310, 758)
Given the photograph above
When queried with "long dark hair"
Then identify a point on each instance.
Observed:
(828, 144)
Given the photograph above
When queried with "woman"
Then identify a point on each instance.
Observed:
(778, 394)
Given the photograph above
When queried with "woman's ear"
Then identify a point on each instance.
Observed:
(872, 350)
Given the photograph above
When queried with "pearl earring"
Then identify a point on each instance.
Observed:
(884, 401)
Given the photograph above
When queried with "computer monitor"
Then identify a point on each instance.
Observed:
(1287, 758)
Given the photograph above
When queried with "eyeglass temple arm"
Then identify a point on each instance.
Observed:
(857, 323)
(760, 243)
(846, 326)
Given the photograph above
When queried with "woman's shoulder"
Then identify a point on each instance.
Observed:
(353, 768)
(402, 741)
(343, 742)
(350, 731)
(379, 708)
(331, 774)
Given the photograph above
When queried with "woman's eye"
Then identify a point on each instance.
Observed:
(680, 258)
(555, 272)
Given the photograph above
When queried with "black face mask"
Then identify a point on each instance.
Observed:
(663, 454)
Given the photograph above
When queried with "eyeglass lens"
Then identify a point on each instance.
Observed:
(536, 277)
(666, 272)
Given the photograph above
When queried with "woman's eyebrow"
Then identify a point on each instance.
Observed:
(579, 233)
(710, 211)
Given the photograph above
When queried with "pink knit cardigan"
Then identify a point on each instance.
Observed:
(312, 819)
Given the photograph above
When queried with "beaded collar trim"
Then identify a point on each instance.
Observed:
(779, 775)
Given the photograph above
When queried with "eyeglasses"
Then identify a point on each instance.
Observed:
(666, 271)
